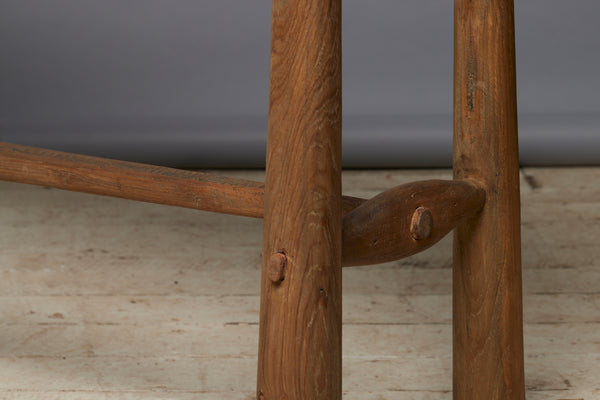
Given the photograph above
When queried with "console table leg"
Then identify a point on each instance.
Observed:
(487, 298)
(301, 293)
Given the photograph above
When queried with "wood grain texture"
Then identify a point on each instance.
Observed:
(487, 298)
(134, 181)
(130, 180)
(300, 338)
(88, 257)
(379, 230)
(365, 241)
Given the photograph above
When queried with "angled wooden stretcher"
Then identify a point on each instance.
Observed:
(311, 230)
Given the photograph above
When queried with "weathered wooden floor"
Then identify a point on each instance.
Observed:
(103, 298)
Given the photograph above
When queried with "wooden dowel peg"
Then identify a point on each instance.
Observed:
(277, 267)
(421, 223)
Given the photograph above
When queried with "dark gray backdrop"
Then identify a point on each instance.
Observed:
(185, 82)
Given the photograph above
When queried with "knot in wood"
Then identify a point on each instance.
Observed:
(277, 267)
(421, 224)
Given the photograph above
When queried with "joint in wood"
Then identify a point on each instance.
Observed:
(277, 267)
(421, 223)
(399, 222)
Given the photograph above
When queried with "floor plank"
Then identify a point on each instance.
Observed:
(104, 298)
(209, 340)
(414, 373)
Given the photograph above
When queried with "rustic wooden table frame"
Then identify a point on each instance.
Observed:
(311, 230)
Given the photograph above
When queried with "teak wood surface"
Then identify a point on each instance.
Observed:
(378, 231)
(163, 302)
(305, 239)
(487, 298)
(135, 181)
(300, 334)
(129, 180)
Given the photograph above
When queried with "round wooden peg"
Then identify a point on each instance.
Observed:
(277, 267)
(421, 223)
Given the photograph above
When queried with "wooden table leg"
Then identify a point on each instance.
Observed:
(488, 327)
(301, 293)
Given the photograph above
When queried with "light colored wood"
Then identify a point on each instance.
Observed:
(74, 335)
(300, 336)
(379, 230)
(361, 309)
(222, 375)
(194, 395)
(487, 297)
(92, 258)
(134, 181)
(559, 186)
(86, 257)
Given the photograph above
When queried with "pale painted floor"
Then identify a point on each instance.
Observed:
(112, 299)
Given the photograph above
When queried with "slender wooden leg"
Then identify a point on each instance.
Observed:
(488, 327)
(301, 309)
